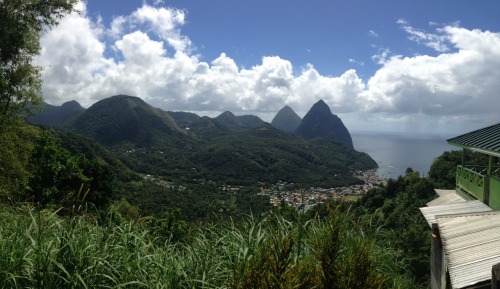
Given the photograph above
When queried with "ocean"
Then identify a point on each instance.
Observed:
(395, 153)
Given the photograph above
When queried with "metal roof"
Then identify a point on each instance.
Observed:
(486, 140)
(446, 197)
(430, 213)
(471, 243)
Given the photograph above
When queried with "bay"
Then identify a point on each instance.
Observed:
(394, 153)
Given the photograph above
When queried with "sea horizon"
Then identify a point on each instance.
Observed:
(396, 152)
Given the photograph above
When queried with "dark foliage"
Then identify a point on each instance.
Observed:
(61, 178)
(396, 207)
(195, 201)
(444, 168)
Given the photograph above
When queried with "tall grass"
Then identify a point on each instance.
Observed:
(38, 249)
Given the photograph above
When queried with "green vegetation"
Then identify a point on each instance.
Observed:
(266, 154)
(17, 144)
(395, 207)
(443, 169)
(196, 202)
(22, 21)
(39, 249)
(195, 235)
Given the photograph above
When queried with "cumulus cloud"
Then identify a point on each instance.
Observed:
(145, 54)
(163, 22)
(463, 82)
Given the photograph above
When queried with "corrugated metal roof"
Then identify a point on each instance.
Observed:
(487, 139)
(446, 197)
(430, 213)
(471, 244)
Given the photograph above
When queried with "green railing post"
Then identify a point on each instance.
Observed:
(490, 165)
(494, 193)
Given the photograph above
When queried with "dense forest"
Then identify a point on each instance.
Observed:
(77, 214)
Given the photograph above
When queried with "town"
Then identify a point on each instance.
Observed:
(290, 194)
(284, 193)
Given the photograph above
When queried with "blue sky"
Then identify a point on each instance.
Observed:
(401, 66)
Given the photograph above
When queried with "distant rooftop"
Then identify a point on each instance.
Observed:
(485, 140)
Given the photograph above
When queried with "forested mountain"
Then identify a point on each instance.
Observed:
(184, 119)
(229, 120)
(320, 122)
(51, 115)
(125, 119)
(268, 154)
(228, 148)
(286, 119)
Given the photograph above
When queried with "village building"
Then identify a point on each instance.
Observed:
(465, 222)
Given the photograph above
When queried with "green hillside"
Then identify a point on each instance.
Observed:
(125, 119)
(268, 154)
(228, 148)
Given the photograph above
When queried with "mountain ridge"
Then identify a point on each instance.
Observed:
(52, 115)
(227, 148)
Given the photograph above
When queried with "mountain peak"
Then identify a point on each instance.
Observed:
(320, 122)
(286, 119)
(58, 116)
(321, 106)
(72, 105)
(226, 114)
(229, 120)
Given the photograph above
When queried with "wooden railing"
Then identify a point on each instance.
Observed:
(474, 182)
(471, 182)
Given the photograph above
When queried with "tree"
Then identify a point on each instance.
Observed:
(55, 174)
(15, 151)
(21, 24)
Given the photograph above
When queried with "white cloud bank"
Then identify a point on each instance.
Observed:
(144, 54)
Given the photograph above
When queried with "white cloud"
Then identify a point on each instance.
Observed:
(381, 56)
(138, 49)
(463, 82)
(164, 22)
(72, 58)
(437, 42)
(354, 61)
(117, 24)
(373, 33)
(155, 63)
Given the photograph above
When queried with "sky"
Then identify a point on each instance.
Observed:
(403, 66)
